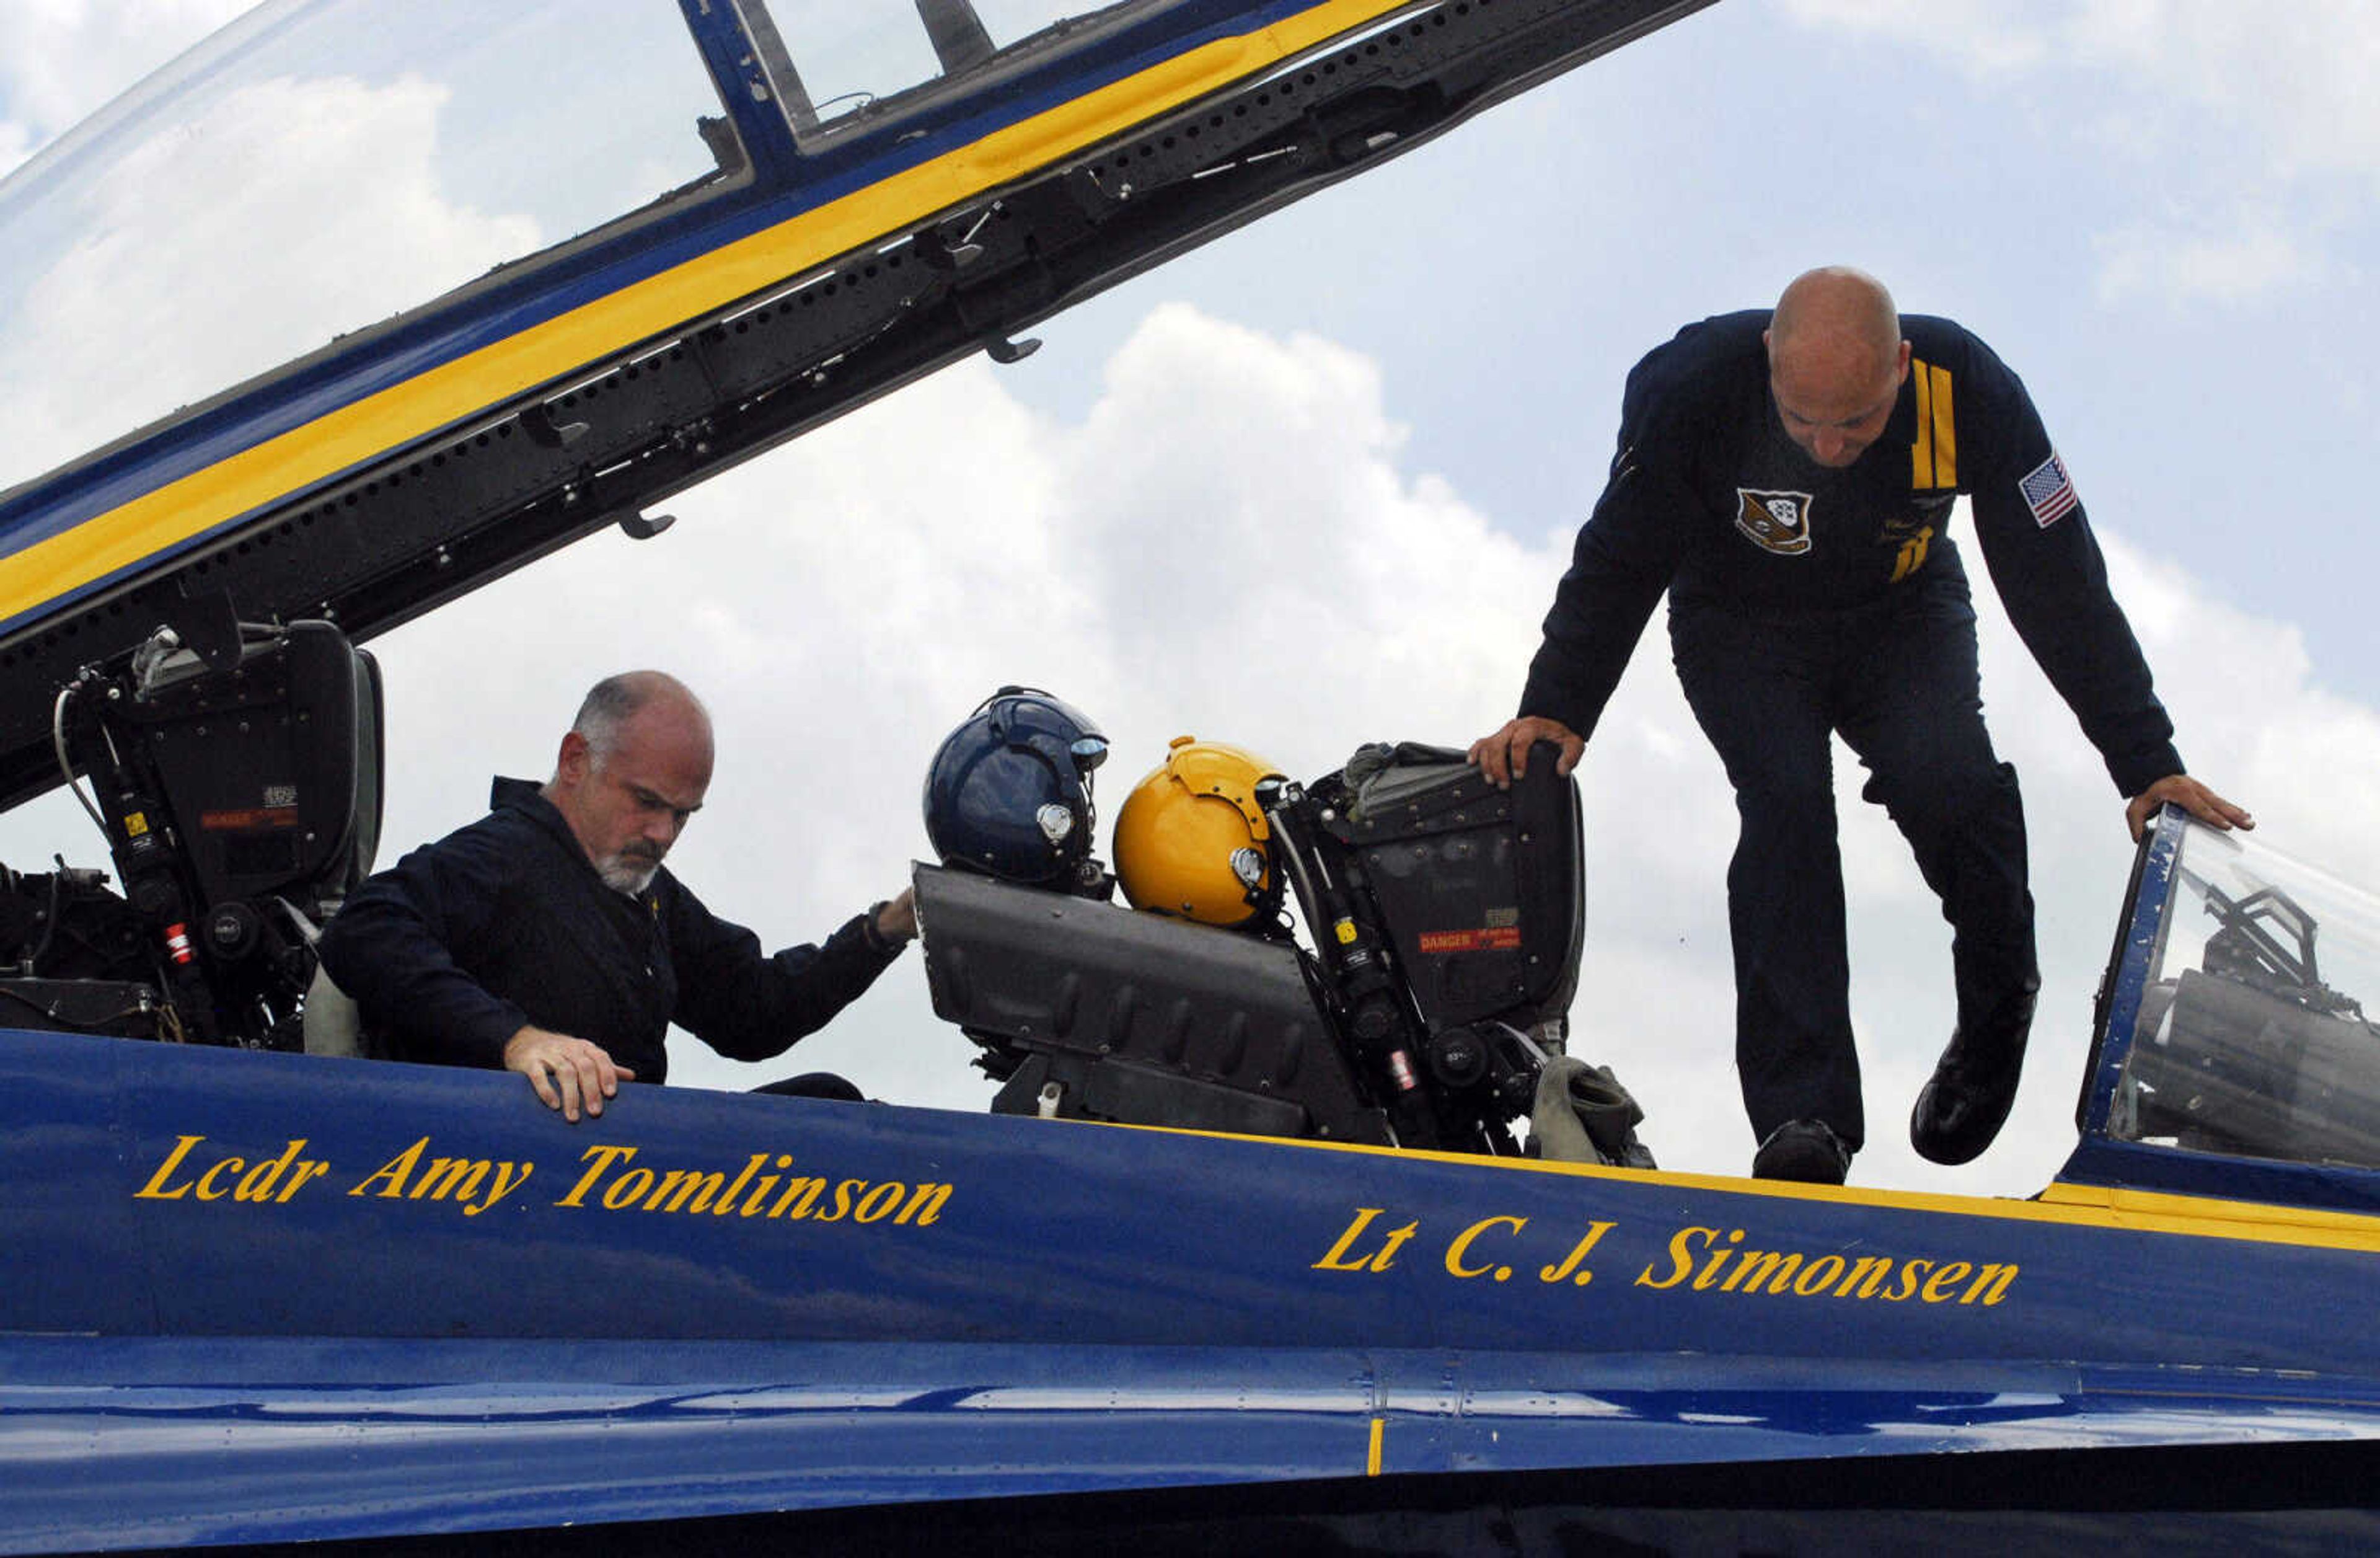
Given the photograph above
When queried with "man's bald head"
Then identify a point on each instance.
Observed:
(1836, 362)
(612, 703)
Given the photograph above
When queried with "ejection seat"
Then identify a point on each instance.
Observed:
(270, 764)
(273, 766)
(321, 702)
(237, 772)
(1465, 903)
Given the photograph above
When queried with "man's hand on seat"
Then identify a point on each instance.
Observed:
(566, 1071)
(896, 919)
(1504, 755)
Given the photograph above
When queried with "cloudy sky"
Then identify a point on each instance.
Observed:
(1312, 486)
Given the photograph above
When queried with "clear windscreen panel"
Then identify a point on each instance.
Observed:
(837, 67)
(2254, 1039)
(315, 168)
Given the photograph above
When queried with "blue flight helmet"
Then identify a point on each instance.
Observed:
(1009, 791)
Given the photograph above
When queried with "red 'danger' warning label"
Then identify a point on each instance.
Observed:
(1496, 938)
(252, 818)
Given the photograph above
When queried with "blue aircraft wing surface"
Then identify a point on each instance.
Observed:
(261, 1295)
(317, 1439)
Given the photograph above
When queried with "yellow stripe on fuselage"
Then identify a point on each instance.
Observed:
(2159, 1212)
(2063, 1204)
(595, 332)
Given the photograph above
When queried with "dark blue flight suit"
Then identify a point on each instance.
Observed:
(1805, 601)
(505, 922)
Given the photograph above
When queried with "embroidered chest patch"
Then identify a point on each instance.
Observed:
(1779, 522)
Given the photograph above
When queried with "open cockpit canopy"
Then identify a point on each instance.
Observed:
(321, 167)
(2237, 1038)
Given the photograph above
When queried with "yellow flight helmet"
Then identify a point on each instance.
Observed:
(1191, 839)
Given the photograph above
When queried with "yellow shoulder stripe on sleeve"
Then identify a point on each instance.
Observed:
(1946, 435)
(1921, 452)
(1934, 458)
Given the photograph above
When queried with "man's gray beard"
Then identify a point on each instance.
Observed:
(627, 874)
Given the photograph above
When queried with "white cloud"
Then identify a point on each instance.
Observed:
(285, 213)
(61, 60)
(2252, 720)
(2254, 111)
(2237, 262)
(2297, 77)
(1977, 36)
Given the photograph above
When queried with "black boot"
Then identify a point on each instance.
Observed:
(1973, 1085)
(1808, 1151)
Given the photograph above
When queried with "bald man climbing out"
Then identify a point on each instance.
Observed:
(1787, 476)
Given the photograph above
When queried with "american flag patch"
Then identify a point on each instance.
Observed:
(2049, 491)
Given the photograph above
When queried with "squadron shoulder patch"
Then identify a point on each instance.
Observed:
(1780, 522)
(2049, 491)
